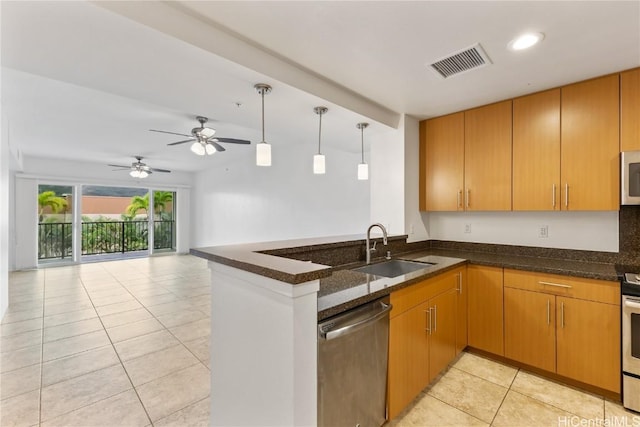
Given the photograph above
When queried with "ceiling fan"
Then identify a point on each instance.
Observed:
(203, 140)
(139, 169)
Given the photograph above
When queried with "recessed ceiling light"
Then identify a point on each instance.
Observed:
(525, 41)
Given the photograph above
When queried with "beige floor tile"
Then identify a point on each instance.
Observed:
(617, 415)
(118, 307)
(523, 411)
(152, 366)
(99, 302)
(21, 410)
(185, 387)
(469, 393)
(172, 307)
(67, 299)
(27, 356)
(157, 299)
(191, 331)
(50, 310)
(72, 345)
(563, 397)
(486, 369)
(135, 329)
(18, 316)
(20, 327)
(73, 329)
(69, 395)
(123, 318)
(20, 381)
(427, 411)
(79, 364)
(201, 347)
(18, 341)
(178, 318)
(145, 344)
(73, 316)
(196, 415)
(122, 410)
(150, 292)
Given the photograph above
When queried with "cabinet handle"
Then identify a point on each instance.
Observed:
(562, 314)
(459, 198)
(467, 198)
(459, 288)
(558, 285)
(548, 312)
(428, 313)
(566, 194)
(435, 318)
(553, 196)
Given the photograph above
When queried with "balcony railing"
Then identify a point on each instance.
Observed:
(103, 237)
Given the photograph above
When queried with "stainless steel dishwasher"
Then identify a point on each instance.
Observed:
(353, 350)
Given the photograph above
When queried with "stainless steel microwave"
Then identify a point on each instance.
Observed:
(630, 178)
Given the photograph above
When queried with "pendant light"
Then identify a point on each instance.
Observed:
(363, 168)
(318, 159)
(263, 150)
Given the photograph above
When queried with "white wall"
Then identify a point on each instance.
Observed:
(37, 171)
(4, 218)
(241, 202)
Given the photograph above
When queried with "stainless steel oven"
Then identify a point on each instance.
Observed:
(631, 341)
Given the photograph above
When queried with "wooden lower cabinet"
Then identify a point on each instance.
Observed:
(530, 328)
(566, 325)
(423, 336)
(485, 308)
(588, 342)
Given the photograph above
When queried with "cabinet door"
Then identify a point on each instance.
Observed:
(485, 322)
(590, 145)
(487, 157)
(630, 110)
(442, 339)
(529, 328)
(408, 357)
(443, 140)
(536, 152)
(588, 342)
(461, 310)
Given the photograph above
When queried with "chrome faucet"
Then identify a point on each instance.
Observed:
(373, 248)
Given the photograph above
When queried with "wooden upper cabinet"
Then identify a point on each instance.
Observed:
(536, 152)
(590, 165)
(630, 110)
(442, 140)
(487, 157)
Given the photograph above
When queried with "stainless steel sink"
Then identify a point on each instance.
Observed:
(393, 268)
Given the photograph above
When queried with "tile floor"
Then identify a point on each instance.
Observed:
(126, 343)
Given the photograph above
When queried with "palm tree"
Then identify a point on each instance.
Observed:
(49, 199)
(138, 203)
(160, 201)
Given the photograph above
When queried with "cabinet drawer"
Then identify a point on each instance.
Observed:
(409, 297)
(568, 286)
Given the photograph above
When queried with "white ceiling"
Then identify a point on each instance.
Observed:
(85, 81)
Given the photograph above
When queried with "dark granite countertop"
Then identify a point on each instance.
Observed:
(341, 288)
(346, 289)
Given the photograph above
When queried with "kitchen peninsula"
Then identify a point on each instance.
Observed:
(267, 299)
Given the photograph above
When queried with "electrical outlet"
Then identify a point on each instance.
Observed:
(543, 232)
(467, 228)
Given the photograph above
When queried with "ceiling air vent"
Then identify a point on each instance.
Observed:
(461, 61)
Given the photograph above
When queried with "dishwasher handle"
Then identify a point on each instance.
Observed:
(384, 309)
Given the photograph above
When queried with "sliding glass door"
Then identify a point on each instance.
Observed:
(55, 222)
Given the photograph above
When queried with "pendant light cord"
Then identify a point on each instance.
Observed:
(320, 132)
(262, 93)
(362, 142)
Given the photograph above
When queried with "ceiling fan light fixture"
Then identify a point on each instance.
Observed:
(210, 149)
(198, 148)
(263, 150)
(318, 159)
(363, 167)
(138, 173)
